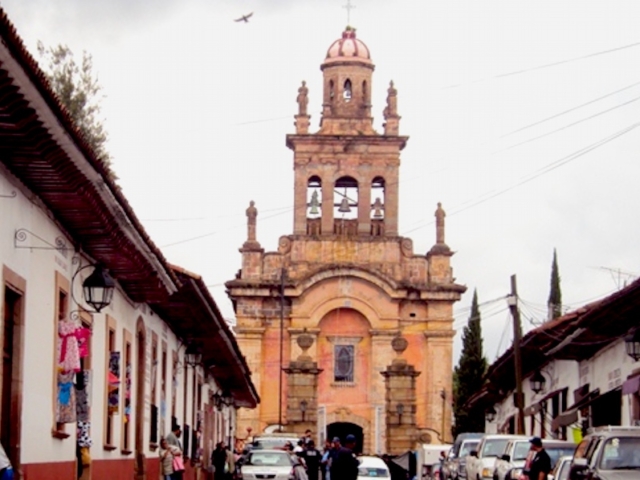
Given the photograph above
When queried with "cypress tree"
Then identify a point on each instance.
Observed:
(555, 295)
(468, 375)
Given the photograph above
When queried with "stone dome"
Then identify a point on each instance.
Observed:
(348, 48)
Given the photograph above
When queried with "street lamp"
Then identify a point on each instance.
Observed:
(303, 408)
(490, 414)
(193, 355)
(537, 381)
(98, 287)
(632, 344)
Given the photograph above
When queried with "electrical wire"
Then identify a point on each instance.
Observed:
(544, 66)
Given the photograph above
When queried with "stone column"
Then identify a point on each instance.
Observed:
(302, 388)
(400, 385)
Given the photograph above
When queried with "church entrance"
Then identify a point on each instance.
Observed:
(342, 429)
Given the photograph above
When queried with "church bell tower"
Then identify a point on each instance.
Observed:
(344, 287)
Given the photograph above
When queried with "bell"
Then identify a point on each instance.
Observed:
(344, 205)
(314, 204)
(377, 208)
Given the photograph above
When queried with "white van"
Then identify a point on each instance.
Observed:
(429, 459)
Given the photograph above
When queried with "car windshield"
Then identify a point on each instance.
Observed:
(621, 453)
(269, 443)
(270, 459)
(560, 451)
(520, 451)
(494, 447)
(467, 447)
(372, 472)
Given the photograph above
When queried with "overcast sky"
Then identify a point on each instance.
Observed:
(522, 120)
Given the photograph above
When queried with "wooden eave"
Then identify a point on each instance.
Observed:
(41, 147)
(194, 316)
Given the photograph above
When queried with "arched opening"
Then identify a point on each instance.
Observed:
(347, 91)
(314, 205)
(331, 90)
(141, 359)
(342, 429)
(314, 197)
(377, 214)
(365, 93)
(346, 198)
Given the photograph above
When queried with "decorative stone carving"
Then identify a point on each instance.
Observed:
(407, 247)
(284, 245)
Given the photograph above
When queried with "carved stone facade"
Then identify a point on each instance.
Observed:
(345, 277)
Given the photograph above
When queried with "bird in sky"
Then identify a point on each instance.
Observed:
(244, 18)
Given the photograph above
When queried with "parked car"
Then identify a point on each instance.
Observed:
(561, 470)
(481, 462)
(455, 466)
(372, 468)
(271, 464)
(273, 441)
(608, 453)
(509, 465)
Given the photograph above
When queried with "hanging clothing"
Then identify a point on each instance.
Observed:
(66, 404)
(68, 351)
(84, 434)
(84, 336)
(83, 387)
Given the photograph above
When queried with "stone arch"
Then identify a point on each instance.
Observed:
(323, 309)
(383, 282)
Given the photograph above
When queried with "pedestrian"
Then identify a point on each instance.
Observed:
(6, 470)
(173, 438)
(442, 459)
(325, 461)
(223, 462)
(166, 459)
(344, 465)
(540, 465)
(312, 458)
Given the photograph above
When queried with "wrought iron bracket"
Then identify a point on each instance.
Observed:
(13, 194)
(24, 238)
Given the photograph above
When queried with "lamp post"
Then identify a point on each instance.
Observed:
(537, 382)
(632, 344)
(490, 414)
(193, 355)
(97, 288)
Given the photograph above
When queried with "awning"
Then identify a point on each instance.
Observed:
(570, 416)
(632, 385)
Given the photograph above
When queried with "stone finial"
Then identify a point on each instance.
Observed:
(305, 341)
(252, 215)
(391, 110)
(391, 117)
(399, 345)
(440, 214)
(302, 99)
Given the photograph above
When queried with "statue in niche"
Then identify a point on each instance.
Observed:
(302, 99)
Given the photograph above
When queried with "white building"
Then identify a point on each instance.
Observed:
(62, 218)
(576, 372)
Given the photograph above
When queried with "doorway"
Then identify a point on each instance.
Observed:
(141, 367)
(11, 374)
(342, 429)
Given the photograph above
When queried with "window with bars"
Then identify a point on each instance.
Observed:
(343, 363)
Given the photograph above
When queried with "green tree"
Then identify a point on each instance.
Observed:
(468, 375)
(555, 295)
(79, 91)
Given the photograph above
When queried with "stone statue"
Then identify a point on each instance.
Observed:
(252, 215)
(302, 99)
(391, 109)
(440, 225)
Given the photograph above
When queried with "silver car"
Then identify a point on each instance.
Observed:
(267, 465)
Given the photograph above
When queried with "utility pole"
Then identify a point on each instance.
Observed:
(518, 399)
(282, 272)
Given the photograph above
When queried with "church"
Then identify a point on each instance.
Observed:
(345, 328)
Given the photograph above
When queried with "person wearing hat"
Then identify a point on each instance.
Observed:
(539, 465)
(345, 464)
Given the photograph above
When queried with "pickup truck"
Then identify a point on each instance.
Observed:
(481, 462)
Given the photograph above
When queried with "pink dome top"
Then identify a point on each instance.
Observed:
(348, 48)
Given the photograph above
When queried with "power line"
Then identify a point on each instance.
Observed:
(546, 65)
